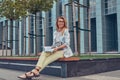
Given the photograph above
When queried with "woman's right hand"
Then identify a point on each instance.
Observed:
(55, 49)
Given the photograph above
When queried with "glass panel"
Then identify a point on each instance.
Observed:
(49, 18)
(92, 8)
(110, 6)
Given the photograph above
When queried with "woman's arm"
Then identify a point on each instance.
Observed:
(60, 47)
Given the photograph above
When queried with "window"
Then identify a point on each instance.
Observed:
(40, 21)
(110, 6)
(49, 18)
(92, 8)
(32, 22)
(60, 7)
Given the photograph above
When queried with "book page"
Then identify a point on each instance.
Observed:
(48, 49)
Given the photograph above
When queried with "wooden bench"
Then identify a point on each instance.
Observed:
(69, 59)
(20, 58)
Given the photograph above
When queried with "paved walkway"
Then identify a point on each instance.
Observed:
(6, 74)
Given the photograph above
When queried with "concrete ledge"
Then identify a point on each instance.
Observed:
(64, 68)
(58, 68)
(3, 52)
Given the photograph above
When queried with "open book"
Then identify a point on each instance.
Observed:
(48, 49)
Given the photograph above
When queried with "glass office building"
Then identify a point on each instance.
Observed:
(104, 23)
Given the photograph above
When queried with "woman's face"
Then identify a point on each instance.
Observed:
(60, 23)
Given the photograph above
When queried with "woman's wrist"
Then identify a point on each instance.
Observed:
(56, 49)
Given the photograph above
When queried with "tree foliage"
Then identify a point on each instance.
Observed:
(35, 6)
(13, 9)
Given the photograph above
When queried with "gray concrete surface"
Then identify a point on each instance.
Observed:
(6, 74)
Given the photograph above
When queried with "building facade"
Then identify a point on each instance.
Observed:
(104, 28)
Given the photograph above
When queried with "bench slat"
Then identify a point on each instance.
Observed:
(69, 59)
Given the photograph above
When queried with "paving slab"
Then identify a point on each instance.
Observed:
(7, 74)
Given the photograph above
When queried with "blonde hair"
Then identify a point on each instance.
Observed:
(65, 23)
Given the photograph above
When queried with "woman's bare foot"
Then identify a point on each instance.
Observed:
(24, 76)
(33, 73)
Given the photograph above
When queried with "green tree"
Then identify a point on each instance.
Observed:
(35, 6)
(13, 10)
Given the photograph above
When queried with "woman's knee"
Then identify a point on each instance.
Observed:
(59, 54)
(45, 54)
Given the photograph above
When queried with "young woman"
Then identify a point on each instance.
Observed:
(61, 48)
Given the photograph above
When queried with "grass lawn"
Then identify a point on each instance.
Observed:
(99, 56)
